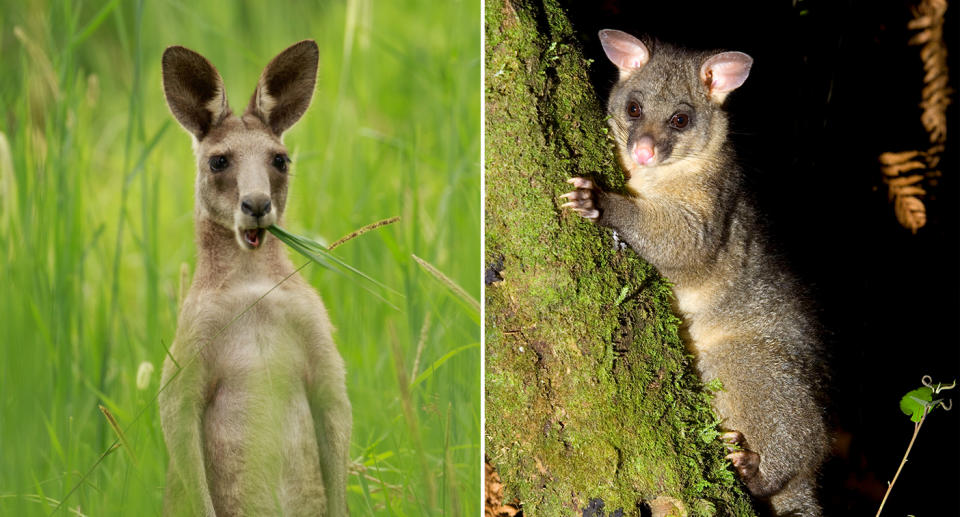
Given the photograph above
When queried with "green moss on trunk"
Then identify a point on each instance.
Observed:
(590, 394)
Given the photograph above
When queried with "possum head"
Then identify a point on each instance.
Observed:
(666, 108)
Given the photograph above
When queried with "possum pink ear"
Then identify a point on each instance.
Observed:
(724, 73)
(625, 51)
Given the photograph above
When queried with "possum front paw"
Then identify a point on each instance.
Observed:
(745, 461)
(582, 200)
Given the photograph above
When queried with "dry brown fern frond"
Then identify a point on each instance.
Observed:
(904, 171)
(493, 505)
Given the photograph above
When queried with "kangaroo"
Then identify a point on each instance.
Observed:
(254, 412)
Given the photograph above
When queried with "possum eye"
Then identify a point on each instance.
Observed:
(679, 120)
(633, 109)
(280, 161)
(218, 163)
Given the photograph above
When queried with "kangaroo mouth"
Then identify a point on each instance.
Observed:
(252, 237)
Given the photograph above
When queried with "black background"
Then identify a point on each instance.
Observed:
(834, 84)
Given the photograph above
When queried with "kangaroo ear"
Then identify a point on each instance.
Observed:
(625, 51)
(724, 73)
(286, 86)
(194, 90)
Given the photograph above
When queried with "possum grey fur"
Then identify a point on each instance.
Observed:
(747, 320)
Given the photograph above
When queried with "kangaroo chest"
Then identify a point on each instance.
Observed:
(250, 335)
(256, 397)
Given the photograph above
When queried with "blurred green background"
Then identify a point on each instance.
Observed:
(96, 197)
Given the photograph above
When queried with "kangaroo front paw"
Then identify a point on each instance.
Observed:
(745, 461)
(582, 199)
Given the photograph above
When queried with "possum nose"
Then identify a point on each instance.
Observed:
(256, 205)
(643, 151)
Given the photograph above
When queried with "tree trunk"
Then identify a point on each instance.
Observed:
(591, 400)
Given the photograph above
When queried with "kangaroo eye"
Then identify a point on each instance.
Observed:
(280, 161)
(218, 163)
(633, 109)
(679, 120)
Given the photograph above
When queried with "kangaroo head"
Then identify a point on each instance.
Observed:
(241, 161)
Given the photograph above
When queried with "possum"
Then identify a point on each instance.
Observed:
(747, 319)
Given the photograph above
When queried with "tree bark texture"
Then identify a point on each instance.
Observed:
(591, 400)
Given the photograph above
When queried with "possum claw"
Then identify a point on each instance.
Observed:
(747, 464)
(581, 205)
(580, 182)
(732, 440)
(581, 200)
(577, 194)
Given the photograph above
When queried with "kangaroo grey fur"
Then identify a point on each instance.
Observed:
(255, 416)
(747, 320)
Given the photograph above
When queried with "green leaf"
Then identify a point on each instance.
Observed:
(714, 385)
(916, 402)
(623, 295)
(709, 434)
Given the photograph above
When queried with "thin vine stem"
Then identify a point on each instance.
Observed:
(916, 431)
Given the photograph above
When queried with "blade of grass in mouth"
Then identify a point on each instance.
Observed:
(321, 255)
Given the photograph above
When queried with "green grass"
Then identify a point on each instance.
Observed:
(96, 200)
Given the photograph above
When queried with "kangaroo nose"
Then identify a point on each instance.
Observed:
(256, 205)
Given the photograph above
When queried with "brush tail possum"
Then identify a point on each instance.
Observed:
(747, 320)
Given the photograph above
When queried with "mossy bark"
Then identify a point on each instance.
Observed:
(590, 395)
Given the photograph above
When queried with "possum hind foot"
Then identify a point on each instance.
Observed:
(745, 461)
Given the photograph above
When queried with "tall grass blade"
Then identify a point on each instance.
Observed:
(94, 23)
(114, 446)
(116, 429)
(8, 183)
(356, 233)
(439, 362)
(42, 499)
(424, 332)
(410, 415)
(468, 302)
